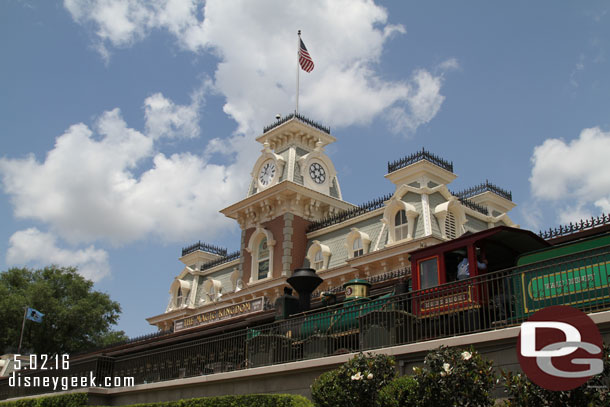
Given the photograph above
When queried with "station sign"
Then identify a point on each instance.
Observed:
(220, 314)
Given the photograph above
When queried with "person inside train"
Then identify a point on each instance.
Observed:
(463, 268)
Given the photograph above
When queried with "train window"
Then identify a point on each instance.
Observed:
(428, 273)
(452, 260)
(401, 229)
(263, 259)
(357, 247)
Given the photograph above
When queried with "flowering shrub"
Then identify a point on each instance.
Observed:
(523, 393)
(355, 384)
(453, 377)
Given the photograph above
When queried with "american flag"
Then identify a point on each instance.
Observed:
(304, 59)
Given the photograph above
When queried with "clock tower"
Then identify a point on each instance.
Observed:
(293, 184)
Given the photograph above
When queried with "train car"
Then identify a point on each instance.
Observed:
(458, 278)
(358, 321)
(572, 273)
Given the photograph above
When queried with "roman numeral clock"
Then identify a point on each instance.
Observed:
(267, 173)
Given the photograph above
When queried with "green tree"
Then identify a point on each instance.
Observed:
(76, 317)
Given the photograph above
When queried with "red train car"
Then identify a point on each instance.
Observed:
(450, 277)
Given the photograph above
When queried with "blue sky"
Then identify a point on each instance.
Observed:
(126, 125)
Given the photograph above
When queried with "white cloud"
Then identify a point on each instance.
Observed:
(573, 213)
(31, 246)
(575, 174)
(449, 65)
(165, 119)
(257, 51)
(101, 185)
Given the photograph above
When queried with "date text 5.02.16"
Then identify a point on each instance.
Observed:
(41, 362)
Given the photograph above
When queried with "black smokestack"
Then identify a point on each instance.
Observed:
(304, 281)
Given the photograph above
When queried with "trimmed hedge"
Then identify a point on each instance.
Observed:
(64, 400)
(252, 400)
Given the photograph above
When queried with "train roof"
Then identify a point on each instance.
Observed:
(508, 239)
(566, 248)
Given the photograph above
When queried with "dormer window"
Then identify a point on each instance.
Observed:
(451, 218)
(401, 227)
(450, 227)
(400, 218)
(358, 243)
(179, 298)
(263, 259)
(318, 260)
(179, 291)
(357, 248)
(318, 255)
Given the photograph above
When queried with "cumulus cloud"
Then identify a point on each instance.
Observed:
(109, 184)
(422, 104)
(31, 246)
(257, 51)
(574, 174)
(166, 119)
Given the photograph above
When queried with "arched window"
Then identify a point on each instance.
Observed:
(401, 228)
(263, 259)
(318, 255)
(357, 247)
(357, 243)
(318, 260)
(260, 247)
(179, 294)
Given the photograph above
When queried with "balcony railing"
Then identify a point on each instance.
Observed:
(584, 224)
(418, 156)
(204, 247)
(485, 187)
(348, 214)
(494, 300)
(299, 117)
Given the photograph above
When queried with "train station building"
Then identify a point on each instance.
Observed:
(370, 277)
(294, 216)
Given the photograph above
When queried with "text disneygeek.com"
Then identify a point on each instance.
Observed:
(65, 383)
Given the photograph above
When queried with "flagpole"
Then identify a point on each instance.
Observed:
(298, 48)
(25, 312)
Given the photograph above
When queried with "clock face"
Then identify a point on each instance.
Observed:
(317, 173)
(267, 173)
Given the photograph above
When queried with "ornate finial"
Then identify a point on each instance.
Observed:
(299, 32)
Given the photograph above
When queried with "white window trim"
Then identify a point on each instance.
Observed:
(315, 248)
(453, 206)
(352, 236)
(236, 280)
(212, 290)
(393, 205)
(252, 248)
(173, 290)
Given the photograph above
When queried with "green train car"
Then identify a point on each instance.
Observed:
(573, 273)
